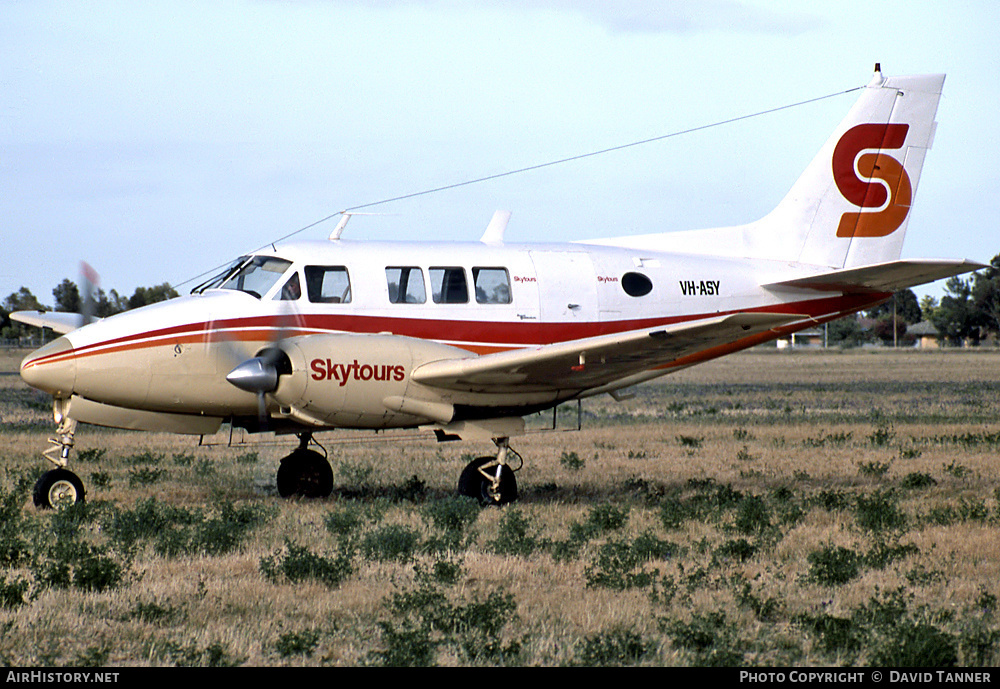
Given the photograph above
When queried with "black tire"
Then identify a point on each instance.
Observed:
(57, 489)
(474, 485)
(305, 474)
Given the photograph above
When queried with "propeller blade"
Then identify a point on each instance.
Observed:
(89, 279)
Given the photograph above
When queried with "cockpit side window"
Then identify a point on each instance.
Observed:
(292, 289)
(257, 275)
(328, 284)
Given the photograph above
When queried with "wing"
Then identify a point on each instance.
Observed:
(594, 362)
(58, 321)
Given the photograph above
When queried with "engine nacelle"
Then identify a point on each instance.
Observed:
(360, 381)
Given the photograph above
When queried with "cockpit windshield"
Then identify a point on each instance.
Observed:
(254, 275)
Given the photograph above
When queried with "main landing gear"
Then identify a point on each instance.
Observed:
(490, 480)
(59, 487)
(305, 473)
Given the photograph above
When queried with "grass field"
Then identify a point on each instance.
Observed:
(806, 508)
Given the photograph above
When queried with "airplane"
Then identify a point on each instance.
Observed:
(467, 338)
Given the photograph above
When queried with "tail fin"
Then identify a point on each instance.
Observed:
(851, 205)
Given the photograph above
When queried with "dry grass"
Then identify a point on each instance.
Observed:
(808, 440)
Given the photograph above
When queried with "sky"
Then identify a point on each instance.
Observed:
(158, 140)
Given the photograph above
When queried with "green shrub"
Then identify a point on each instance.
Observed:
(874, 469)
(144, 476)
(673, 513)
(14, 592)
(516, 535)
(832, 500)
(616, 647)
(247, 458)
(73, 564)
(607, 517)
(708, 636)
(753, 516)
(690, 441)
(390, 542)
(879, 512)
(298, 563)
(916, 480)
(618, 566)
(836, 634)
(740, 549)
(453, 514)
(345, 521)
(884, 553)
(183, 459)
(912, 644)
(14, 547)
(833, 565)
(572, 461)
(91, 454)
(601, 519)
(297, 643)
(145, 457)
(424, 620)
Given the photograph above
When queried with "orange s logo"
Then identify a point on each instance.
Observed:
(859, 186)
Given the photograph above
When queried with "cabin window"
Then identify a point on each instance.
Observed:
(328, 284)
(448, 286)
(636, 284)
(492, 285)
(406, 285)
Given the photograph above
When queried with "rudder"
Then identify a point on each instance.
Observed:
(852, 204)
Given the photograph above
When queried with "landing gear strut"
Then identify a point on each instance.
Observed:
(305, 473)
(59, 487)
(490, 480)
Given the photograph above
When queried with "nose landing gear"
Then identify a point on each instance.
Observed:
(59, 487)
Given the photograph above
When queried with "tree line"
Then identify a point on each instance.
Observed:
(967, 314)
(67, 298)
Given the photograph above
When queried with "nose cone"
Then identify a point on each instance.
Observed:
(254, 375)
(51, 368)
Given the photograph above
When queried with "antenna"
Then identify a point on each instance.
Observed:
(494, 231)
(346, 215)
(339, 229)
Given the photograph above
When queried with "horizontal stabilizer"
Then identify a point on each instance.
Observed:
(59, 321)
(881, 277)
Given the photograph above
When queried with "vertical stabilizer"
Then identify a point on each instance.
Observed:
(852, 204)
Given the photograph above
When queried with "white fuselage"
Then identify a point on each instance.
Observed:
(173, 357)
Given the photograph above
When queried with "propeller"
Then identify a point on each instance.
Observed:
(260, 373)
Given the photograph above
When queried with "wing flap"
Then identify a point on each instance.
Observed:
(882, 277)
(596, 361)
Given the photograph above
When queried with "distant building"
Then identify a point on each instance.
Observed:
(926, 334)
(803, 338)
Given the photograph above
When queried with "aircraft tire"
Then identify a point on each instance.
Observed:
(304, 474)
(474, 485)
(57, 489)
